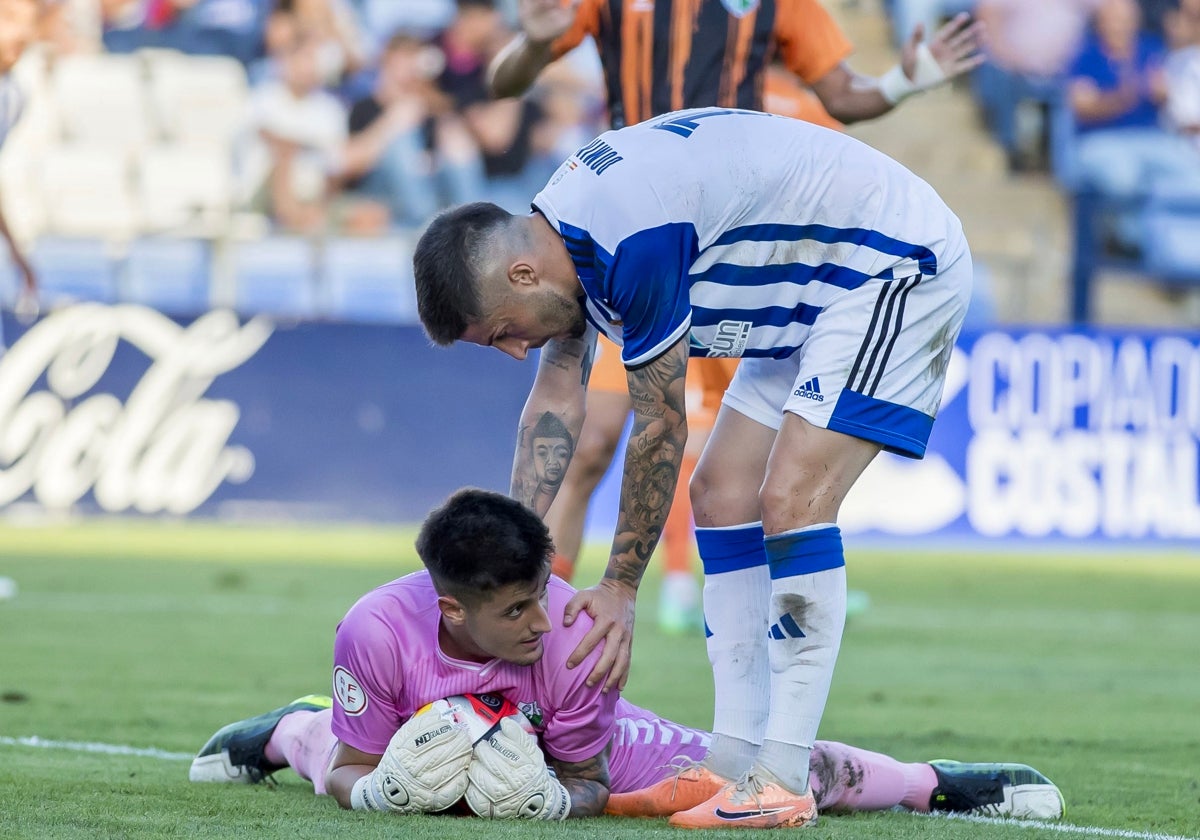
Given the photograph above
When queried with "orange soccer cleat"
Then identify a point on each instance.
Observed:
(691, 784)
(753, 801)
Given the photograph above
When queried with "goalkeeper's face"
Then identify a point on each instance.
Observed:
(506, 624)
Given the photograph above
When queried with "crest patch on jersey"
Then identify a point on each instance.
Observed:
(740, 8)
(349, 692)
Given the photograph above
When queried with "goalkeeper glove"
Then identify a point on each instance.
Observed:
(423, 769)
(508, 778)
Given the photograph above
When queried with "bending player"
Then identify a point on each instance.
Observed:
(486, 616)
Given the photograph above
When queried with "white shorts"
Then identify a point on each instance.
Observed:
(873, 365)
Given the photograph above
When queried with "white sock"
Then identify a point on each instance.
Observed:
(808, 614)
(737, 590)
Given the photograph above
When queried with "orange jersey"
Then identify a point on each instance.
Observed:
(707, 380)
(664, 55)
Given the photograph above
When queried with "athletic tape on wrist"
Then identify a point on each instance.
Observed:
(364, 796)
(895, 86)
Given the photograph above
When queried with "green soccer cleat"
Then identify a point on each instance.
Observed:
(236, 753)
(995, 790)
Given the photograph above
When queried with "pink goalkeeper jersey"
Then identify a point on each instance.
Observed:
(387, 663)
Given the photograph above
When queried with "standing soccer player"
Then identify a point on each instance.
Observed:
(840, 279)
(667, 55)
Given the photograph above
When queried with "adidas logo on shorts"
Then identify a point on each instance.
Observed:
(810, 390)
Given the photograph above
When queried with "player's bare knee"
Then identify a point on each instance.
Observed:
(717, 503)
(788, 503)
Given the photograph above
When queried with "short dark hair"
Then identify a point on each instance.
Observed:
(479, 541)
(446, 265)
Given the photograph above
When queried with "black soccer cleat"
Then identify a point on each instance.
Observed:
(236, 753)
(995, 790)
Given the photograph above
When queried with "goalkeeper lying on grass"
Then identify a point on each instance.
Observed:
(486, 617)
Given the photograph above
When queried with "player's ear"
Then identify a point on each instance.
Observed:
(522, 275)
(452, 609)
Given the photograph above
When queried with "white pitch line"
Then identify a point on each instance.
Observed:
(1062, 828)
(92, 747)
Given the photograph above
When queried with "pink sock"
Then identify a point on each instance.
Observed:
(845, 778)
(304, 741)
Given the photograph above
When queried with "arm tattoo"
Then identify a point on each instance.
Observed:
(549, 429)
(587, 782)
(652, 459)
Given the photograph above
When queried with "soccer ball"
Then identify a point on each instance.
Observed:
(479, 714)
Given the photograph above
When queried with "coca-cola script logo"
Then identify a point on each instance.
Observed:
(165, 449)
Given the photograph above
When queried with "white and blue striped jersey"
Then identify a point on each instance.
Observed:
(736, 229)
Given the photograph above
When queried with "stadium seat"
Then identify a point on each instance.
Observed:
(101, 101)
(369, 280)
(20, 193)
(73, 270)
(170, 275)
(274, 276)
(197, 100)
(39, 122)
(185, 190)
(87, 192)
(1172, 246)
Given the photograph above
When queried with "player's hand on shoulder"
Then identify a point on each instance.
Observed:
(508, 778)
(611, 604)
(422, 771)
(543, 21)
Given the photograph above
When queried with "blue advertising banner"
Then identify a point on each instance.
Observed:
(1042, 434)
(118, 409)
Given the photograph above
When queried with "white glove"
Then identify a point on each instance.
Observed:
(508, 778)
(423, 769)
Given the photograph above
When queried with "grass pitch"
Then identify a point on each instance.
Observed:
(148, 636)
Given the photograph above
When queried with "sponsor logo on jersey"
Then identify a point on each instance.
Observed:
(533, 712)
(598, 156)
(349, 692)
(730, 340)
(810, 390)
(740, 8)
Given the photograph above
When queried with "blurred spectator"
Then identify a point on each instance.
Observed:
(516, 137)
(1154, 15)
(298, 132)
(1030, 45)
(1116, 87)
(1182, 27)
(907, 15)
(197, 27)
(419, 18)
(220, 27)
(407, 148)
(128, 25)
(342, 45)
